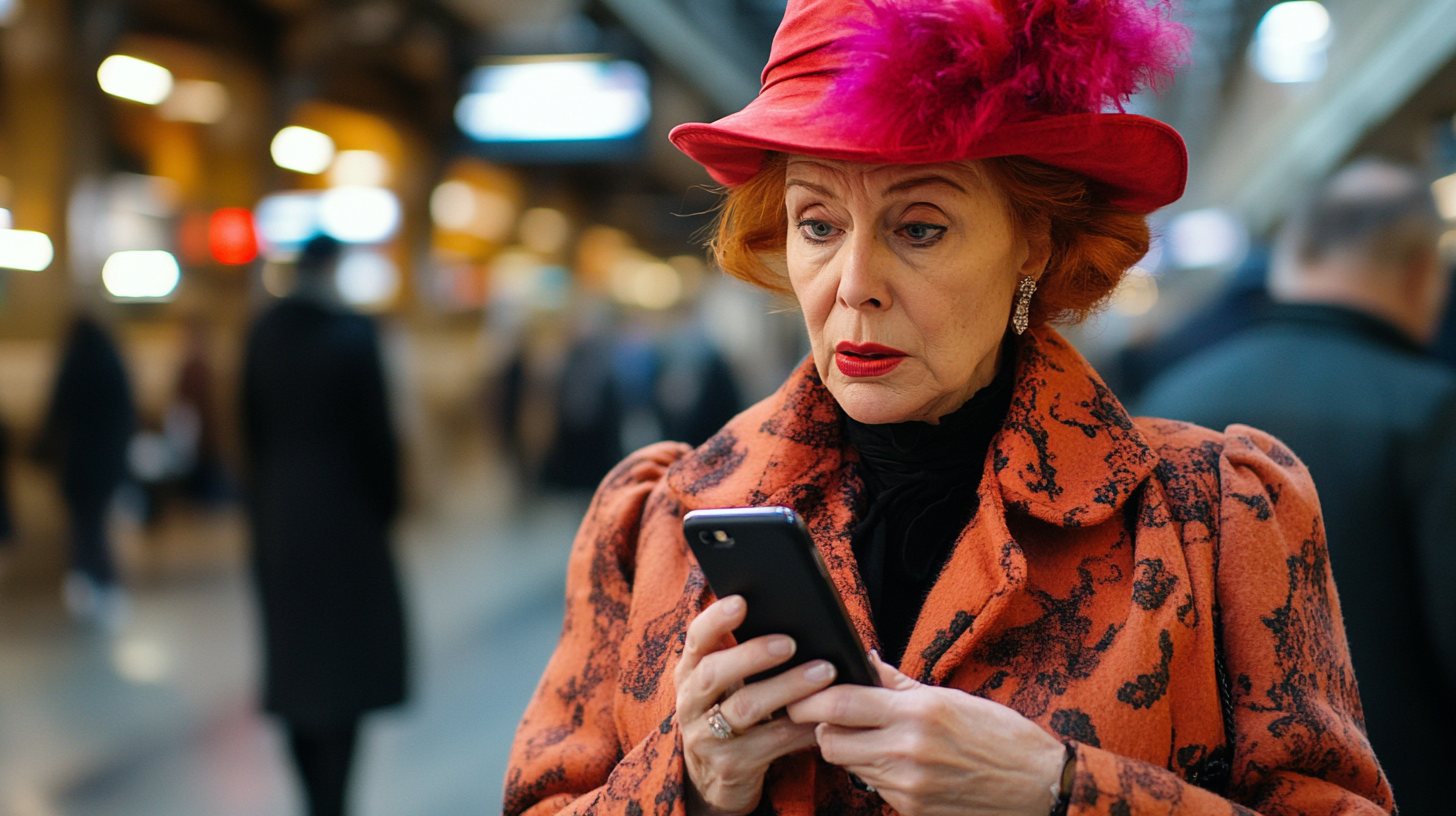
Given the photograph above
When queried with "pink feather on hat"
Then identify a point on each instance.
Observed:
(931, 70)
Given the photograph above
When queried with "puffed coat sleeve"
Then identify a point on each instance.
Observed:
(1300, 745)
(570, 755)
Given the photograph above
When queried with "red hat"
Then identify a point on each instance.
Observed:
(921, 81)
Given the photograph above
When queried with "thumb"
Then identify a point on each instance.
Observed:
(890, 677)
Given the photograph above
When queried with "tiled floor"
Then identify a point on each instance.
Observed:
(159, 718)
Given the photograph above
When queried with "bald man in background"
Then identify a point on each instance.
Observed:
(1336, 369)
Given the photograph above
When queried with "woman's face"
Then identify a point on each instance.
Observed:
(906, 276)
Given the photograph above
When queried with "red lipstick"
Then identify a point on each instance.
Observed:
(866, 359)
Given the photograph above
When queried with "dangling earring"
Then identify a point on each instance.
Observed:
(1021, 318)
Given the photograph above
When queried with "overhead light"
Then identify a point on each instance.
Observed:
(134, 79)
(555, 101)
(359, 215)
(141, 660)
(286, 220)
(10, 11)
(141, 274)
(1446, 247)
(1444, 190)
(359, 168)
(25, 250)
(452, 206)
(195, 100)
(544, 230)
(1291, 42)
(302, 150)
(1136, 294)
(366, 279)
(1206, 238)
(458, 206)
(231, 236)
(638, 279)
(656, 286)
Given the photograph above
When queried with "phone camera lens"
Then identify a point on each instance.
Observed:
(717, 539)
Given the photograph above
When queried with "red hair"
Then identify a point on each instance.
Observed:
(1092, 243)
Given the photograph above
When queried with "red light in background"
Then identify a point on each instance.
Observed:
(192, 238)
(231, 236)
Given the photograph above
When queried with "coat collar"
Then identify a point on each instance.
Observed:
(1068, 453)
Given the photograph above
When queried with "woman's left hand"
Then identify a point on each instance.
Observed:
(933, 751)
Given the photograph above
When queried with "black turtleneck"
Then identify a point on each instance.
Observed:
(923, 482)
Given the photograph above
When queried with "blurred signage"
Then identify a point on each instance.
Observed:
(556, 109)
(26, 250)
(354, 215)
(1205, 238)
(302, 150)
(134, 79)
(141, 274)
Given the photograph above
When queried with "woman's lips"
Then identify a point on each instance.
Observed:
(866, 359)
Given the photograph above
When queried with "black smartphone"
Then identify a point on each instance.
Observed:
(765, 554)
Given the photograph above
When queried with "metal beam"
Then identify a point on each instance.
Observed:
(672, 36)
(1276, 140)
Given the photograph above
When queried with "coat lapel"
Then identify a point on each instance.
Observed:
(788, 450)
(1068, 454)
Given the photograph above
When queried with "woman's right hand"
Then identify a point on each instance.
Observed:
(726, 775)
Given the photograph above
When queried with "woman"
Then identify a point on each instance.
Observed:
(1078, 612)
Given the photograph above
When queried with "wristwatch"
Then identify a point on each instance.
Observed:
(1062, 791)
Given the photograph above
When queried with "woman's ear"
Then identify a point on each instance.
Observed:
(1038, 252)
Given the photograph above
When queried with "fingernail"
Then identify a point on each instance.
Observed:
(781, 646)
(732, 605)
(819, 672)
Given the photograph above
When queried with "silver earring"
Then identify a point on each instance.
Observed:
(1022, 317)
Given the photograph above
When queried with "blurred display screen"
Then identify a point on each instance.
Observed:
(556, 110)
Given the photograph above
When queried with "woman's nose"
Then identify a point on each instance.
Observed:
(861, 285)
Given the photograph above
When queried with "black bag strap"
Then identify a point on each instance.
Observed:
(1212, 773)
(1220, 761)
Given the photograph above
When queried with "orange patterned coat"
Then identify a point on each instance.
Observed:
(1081, 594)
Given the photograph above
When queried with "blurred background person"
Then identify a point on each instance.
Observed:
(1336, 369)
(202, 478)
(87, 429)
(590, 401)
(695, 390)
(323, 489)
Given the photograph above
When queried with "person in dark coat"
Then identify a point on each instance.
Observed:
(87, 430)
(1338, 372)
(695, 392)
(1237, 308)
(323, 489)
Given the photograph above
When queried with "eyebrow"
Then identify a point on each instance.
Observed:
(908, 184)
(807, 184)
(921, 181)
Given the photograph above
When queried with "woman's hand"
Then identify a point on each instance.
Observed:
(726, 775)
(932, 751)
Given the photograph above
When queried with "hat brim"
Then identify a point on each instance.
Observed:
(1142, 163)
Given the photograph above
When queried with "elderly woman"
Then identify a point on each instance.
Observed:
(1075, 611)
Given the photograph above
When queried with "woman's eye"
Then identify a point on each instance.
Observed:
(922, 233)
(817, 230)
